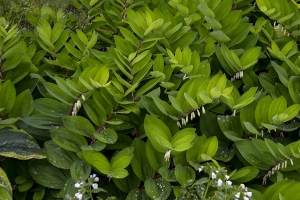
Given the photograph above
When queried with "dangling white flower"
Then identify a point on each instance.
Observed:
(178, 124)
(78, 196)
(78, 104)
(167, 155)
(183, 122)
(83, 97)
(242, 186)
(229, 183)
(77, 185)
(203, 110)
(237, 195)
(95, 185)
(291, 162)
(245, 198)
(249, 194)
(200, 169)
(187, 119)
(213, 175)
(198, 112)
(227, 177)
(220, 182)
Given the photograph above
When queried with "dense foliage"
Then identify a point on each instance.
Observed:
(153, 99)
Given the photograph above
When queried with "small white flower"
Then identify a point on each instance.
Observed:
(78, 105)
(249, 194)
(237, 195)
(285, 164)
(178, 124)
(94, 175)
(198, 112)
(291, 162)
(77, 185)
(213, 175)
(95, 185)
(220, 182)
(96, 179)
(242, 186)
(227, 177)
(229, 183)
(200, 169)
(187, 119)
(78, 196)
(83, 97)
(245, 198)
(203, 110)
(167, 155)
(183, 122)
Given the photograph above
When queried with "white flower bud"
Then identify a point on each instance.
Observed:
(242, 186)
(167, 155)
(78, 196)
(200, 169)
(96, 179)
(229, 183)
(220, 182)
(245, 198)
(285, 164)
(77, 185)
(249, 194)
(178, 124)
(203, 110)
(237, 195)
(198, 112)
(83, 97)
(187, 119)
(291, 162)
(227, 177)
(213, 175)
(95, 185)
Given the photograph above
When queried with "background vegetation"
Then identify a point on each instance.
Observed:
(161, 99)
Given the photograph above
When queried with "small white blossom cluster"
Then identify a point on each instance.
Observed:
(185, 120)
(279, 166)
(82, 186)
(237, 75)
(221, 179)
(77, 105)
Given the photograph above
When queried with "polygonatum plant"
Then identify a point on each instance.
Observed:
(162, 99)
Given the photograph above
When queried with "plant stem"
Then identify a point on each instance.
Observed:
(207, 188)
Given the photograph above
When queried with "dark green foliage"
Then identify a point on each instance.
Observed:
(174, 99)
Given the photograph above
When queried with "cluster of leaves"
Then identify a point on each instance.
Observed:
(163, 99)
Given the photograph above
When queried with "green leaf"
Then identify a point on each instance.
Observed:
(251, 154)
(185, 175)
(8, 97)
(122, 159)
(5, 186)
(97, 160)
(220, 36)
(51, 107)
(108, 136)
(12, 61)
(205, 10)
(80, 170)
(57, 93)
(46, 174)
(155, 158)
(57, 156)
(79, 125)
(140, 163)
(158, 133)
(22, 106)
(19, 145)
(183, 139)
(67, 139)
(294, 89)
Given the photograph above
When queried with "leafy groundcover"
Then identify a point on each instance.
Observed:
(161, 99)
